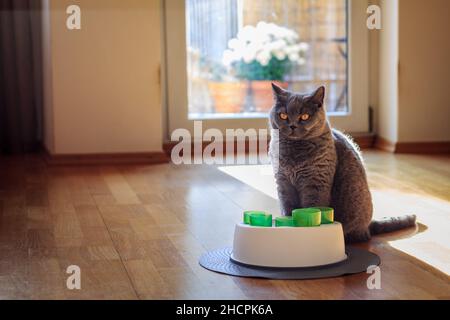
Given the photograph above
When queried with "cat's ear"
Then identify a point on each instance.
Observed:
(318, 96)
(278, 92)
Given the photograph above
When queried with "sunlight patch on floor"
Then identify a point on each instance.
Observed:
(431, 246)
(259, 177)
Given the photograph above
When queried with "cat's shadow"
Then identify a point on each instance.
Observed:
(385, 238)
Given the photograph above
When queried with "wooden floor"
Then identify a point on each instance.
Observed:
(136, 232)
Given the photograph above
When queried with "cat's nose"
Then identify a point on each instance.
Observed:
(293, 127)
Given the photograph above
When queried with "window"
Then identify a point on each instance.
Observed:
(222, 56)
(235, 48)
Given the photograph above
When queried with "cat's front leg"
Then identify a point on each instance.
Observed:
(288, 195)
(314, 196)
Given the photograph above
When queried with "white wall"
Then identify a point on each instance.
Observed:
(424, 75)
(103, 91)
(388, 77)
(414, 73)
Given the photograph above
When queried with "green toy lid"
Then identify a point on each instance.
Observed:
(306, 217)
(284, 221)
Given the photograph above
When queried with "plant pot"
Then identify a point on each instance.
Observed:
(228, 96)
(262, 94)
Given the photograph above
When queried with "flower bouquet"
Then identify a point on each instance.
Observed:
(263, 54)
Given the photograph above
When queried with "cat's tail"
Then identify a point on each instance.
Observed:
(391, 224)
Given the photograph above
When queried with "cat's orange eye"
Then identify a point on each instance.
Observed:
(304, 117)
(283, 116)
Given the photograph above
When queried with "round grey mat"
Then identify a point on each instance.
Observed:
(358, 261)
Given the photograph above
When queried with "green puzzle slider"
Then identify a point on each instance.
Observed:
(304, 217)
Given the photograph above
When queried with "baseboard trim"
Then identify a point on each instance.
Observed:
(384, 144)
(413, 147)
(423, 147)
(106, 158)
(365, 140)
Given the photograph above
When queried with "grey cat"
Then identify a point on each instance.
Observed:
(320, 166)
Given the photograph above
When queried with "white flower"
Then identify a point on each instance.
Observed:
(264, 62)
(280, 55)
(263, 57)
(234, 43)
(263, 27)
(260, 38)
(249, 56)
(294, 57)
(246, 33)
(262, 24)
(292, 49)
(291, 35)
(280, 44)
(264, 42)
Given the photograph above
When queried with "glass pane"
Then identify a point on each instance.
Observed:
(237, 47)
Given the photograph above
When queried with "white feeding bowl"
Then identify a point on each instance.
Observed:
(289, 247)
